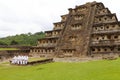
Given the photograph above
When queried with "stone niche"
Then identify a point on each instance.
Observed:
(64, 17)
(42, 50)
(112, 27)
(58, 26)
(104, 19)
(102, 11)
(98, 28)
(72, 38)
(53, 33)
(102, 49)
(81, 8)
(47, 43)
(106, 39)
(78, 9)
(79, 17)
(100, 6)
(56, 33)
(76, 27)
(106, 27)
(68, 52)
(48, 33)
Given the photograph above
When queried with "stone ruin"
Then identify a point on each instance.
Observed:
(8, 54)
(87, 30)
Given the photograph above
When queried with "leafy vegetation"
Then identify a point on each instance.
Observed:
(28, 39)
(93, 70)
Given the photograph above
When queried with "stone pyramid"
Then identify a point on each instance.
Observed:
(87, 30)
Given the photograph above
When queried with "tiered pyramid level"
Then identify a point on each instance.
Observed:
(87, 30)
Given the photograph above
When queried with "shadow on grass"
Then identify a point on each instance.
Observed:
(39, 69)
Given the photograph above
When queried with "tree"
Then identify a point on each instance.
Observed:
(39, 33)
(13, 42)
(2, 43)
(29, 34)
(27, 39)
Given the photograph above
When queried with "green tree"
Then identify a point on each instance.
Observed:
(28, 39)
(2, 43)
(13, 42)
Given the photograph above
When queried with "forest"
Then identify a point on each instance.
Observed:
(27, 39)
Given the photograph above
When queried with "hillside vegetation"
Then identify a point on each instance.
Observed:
(22, 39)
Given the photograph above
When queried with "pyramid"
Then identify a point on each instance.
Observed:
(87, 30)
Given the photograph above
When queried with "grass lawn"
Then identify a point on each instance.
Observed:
(35, 59)
(93, 70)
(2, 49)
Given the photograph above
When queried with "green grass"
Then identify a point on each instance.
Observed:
(93, 70)
(35, 59)
(2, 49)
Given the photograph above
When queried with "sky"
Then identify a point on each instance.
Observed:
(24, 16)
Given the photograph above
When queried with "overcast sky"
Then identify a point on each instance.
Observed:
(23, 16)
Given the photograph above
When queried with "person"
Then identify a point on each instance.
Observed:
(26, 59)
(14, 60)
(23, 60)
(18, 60)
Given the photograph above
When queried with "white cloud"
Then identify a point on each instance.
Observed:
(23, 16)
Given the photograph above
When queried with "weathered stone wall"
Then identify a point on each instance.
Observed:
(8, 54)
